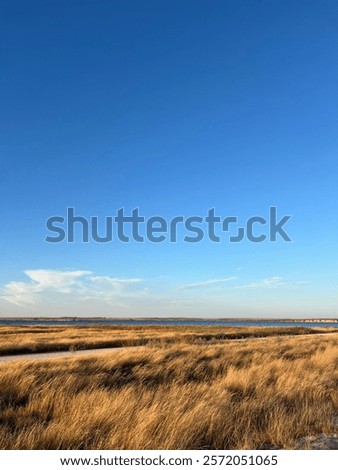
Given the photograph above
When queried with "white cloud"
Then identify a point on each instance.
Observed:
(80, 285)
(273, 282)
(207, 283)
(269, 283)
(107, 288)
(61, 281)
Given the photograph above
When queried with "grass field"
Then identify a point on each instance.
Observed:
(30, 339)
(252, 394)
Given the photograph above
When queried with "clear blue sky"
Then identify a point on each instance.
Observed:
(172, 107)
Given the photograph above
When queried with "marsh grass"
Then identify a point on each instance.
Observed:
(30, 339)
(254, 394)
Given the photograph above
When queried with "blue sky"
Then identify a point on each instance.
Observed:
(172, 107)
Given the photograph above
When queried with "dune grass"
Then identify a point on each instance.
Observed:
(30, 339)
(254, 394)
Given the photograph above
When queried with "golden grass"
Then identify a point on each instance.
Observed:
(253, 394)
(30, 339)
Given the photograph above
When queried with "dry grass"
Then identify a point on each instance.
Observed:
(30, 339)
(262, 393)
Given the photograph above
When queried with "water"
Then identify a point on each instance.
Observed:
(164, 321)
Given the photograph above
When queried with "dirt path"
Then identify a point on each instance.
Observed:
(57, 354)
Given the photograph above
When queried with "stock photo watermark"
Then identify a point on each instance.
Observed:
(134, 227)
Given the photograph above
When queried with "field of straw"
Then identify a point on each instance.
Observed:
(33, 339)
(250, 394)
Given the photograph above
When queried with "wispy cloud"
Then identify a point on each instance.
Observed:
(207, 283)
(45, 284)
(270, 283)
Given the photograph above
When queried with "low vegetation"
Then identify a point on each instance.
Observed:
(30, 339)
(253, 394)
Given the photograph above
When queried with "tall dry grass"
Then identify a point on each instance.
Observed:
(30, 339)
(255, 394)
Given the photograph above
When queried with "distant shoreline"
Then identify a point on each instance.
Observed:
(163, 320)
(167, 322)
(172, 319)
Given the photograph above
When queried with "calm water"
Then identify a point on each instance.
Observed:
(181, 322)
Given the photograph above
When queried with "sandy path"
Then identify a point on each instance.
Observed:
(57, 354)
